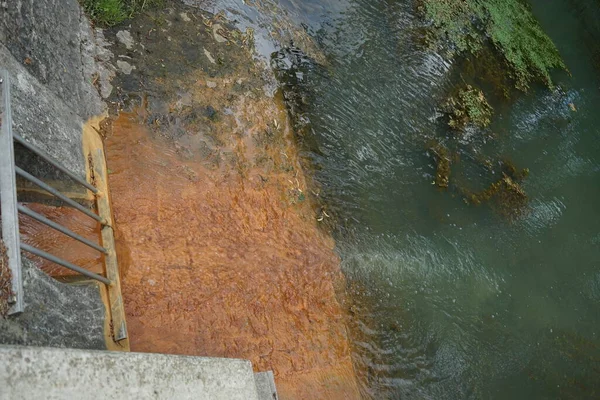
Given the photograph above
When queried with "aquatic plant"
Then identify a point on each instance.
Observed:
(452, 23)
(505, 195)
(443, 162)
(468, 106)
(527, 49)
(508, 25)
(510, 169)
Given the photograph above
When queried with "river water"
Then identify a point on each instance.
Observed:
(452, 300)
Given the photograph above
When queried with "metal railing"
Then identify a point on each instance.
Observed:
(10, 206)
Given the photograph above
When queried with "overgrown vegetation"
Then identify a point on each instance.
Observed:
(113, 12)
(468, 106)
(508, 25)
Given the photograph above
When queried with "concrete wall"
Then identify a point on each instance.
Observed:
(52, 38)
(49, 50)
(43, 119)
(56, 314)
(48, 47)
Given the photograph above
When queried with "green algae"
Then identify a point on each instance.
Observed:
(508, 25)
(527, 49)
(452, 24)
(468, 106)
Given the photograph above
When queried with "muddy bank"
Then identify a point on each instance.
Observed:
(226, 256)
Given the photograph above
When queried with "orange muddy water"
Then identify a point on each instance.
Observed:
(49, 240)
(225, 258)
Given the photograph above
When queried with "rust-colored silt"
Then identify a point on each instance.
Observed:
(225, 256)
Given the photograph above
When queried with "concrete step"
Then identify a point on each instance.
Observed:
(265, 385)
(51, 373)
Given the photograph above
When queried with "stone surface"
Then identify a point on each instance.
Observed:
(56, 314)
(52, 39)
(125, 67)
(125, 38)
(44, 373)
(265, 385)
(97, 59)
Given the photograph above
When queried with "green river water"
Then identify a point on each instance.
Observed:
(453, 300)
(450, 300)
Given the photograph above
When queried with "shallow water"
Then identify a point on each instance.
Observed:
(451, 300)
(225, 258)
(47, 239)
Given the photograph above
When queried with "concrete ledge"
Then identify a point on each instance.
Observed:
(46, 373)
(265, 385)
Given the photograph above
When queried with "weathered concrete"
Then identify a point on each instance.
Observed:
(44, 120)
(265, 385)
(55, 59)
(52, 40)
(45, 373)
(56, 314)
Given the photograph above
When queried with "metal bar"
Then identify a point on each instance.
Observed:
(60, 228)
(8, 198)
(55, 163)
(58, 194)
(64, 263)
